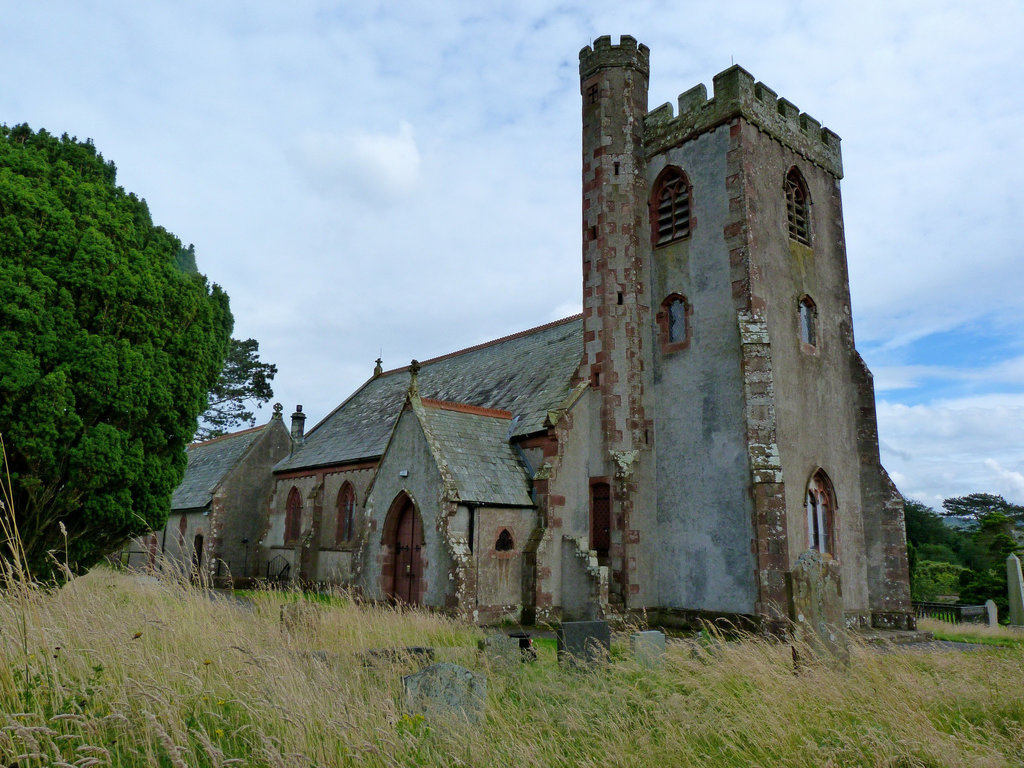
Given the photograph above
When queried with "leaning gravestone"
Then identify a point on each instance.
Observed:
(816, 606)
(444, 691)
(993, 613)
(584, 642)
(1015, 586)
(648, 648)
(501, 651)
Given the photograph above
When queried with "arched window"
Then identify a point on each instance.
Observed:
(293, 516)
(504, 542)
(674, 323)
(808, 321)
(798, 208)
(821, 514)
(670, 207)
(346, 514)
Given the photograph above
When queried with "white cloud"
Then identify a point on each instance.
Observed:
(955, 447)
(371, 167)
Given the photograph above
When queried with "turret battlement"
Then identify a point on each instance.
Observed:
(626, 54)
(736, 94)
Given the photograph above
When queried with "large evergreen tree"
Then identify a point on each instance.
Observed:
(107, 352)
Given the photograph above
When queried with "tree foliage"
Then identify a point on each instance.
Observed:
(107, 351)
(244, 381)
(975, 506)
(969, 561)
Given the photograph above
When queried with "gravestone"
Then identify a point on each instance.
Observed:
(993, 613)
(816, 607)
(445, 691)
(584, 642)
(501, 651)
(1015, 588)
(648, 648)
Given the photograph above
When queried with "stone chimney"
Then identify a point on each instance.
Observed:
(298, 426)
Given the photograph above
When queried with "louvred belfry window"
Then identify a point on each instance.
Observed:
(798, 208)
(670, 207)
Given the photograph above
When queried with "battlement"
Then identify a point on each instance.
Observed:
(626, 54)
(736, 94)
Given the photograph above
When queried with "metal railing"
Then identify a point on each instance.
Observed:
(950, 612)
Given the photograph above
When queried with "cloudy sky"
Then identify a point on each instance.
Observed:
(402, 178)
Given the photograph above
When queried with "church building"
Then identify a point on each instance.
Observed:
(672, 450)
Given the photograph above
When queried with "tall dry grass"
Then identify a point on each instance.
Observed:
(122, 670)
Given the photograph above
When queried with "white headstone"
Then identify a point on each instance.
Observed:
(1015, 589)
(993, 613)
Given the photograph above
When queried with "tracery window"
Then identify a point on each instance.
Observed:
(821, 509)
(293, 516)
(346, 514)
(670, 207)
(798, 210)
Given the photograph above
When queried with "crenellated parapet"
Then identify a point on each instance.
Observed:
(626, 54)
(736, 94)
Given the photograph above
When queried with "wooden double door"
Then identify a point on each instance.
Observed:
(407, 545)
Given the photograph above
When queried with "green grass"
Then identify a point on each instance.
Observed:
(973, 633)
(132, 672)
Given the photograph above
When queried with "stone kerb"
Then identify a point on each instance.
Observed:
(1015, 589)
(445, 691)
(816, 607)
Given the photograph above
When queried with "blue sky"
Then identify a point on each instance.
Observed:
(403, 178)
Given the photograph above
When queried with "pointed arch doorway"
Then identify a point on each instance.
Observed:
(403, 539)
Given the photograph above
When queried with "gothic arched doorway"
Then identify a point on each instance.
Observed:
(403, 541)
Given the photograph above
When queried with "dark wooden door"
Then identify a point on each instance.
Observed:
(408, 560)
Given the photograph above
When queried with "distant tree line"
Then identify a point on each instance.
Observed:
(962, 550)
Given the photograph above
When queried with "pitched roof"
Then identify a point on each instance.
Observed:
(527, 374)
(208, 463)
(472, 444)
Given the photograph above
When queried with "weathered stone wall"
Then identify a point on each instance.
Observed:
(885, 534)
(239, 506)
(561, 486)
(814, 396)
(703, 526)
(335, 558)
(499, 573)
(408, 451)
(177, 542)
(272, 543)
(616, 298)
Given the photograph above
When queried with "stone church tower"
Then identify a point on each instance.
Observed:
(736, 425)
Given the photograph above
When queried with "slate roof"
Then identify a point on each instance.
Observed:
(475, 449)
(527, 374)
(208, 463)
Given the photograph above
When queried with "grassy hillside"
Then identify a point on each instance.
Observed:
(124, 671)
